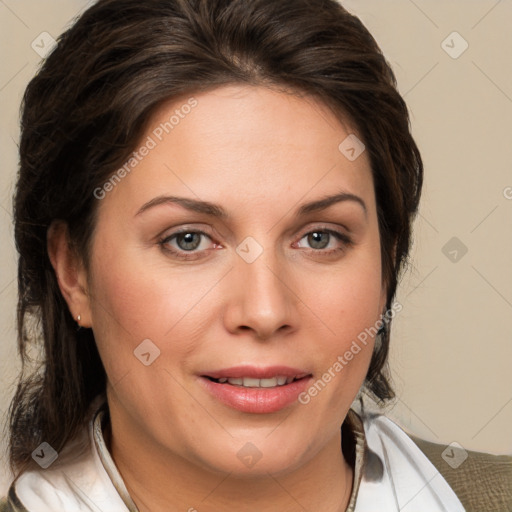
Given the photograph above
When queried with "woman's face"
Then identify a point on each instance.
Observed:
(243, 242)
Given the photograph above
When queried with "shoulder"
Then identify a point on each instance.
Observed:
(50, 487)
(76, 480)
(481, 481)
(424, 475)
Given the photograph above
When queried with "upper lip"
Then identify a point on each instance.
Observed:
(256, 372)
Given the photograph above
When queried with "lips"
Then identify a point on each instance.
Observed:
(255, 389)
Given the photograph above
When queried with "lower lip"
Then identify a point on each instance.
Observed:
(256, 400)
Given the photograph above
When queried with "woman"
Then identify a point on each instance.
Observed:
(213, 210)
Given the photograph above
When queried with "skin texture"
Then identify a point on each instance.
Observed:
(259, 154)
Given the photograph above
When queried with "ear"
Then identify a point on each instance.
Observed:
(70, 272)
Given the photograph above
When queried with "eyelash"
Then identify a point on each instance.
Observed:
(189, 255)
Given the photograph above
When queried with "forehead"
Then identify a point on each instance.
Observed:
(245, 144)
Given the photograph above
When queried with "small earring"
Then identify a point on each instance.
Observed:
(78, 318)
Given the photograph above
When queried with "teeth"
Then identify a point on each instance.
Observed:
(268, 383)
(250, 382)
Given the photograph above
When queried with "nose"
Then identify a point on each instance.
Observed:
(260, 298)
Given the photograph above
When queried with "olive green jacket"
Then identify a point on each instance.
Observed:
(483, 482)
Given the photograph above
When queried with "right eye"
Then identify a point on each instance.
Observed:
(187, 243)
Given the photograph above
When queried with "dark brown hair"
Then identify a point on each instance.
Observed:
(86, 109)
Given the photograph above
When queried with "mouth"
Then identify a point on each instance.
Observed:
(251, 382)
(256, 390)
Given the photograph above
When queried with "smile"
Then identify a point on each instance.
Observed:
(251, 382)
(254, 389)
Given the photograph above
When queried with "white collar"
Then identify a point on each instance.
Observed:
(397, 476)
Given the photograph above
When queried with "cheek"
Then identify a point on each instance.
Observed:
(347, 305)
(134, 299)
(344, 351)
(349, 299)
(350, 314)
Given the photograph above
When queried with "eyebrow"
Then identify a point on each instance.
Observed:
(215, 210)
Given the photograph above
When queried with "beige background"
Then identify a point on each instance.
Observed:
(452, 343)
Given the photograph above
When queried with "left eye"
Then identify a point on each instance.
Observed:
(321, 239)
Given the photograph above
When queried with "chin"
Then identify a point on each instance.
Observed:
(259, 457)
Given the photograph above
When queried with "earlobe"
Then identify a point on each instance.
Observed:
(70, 273)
